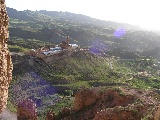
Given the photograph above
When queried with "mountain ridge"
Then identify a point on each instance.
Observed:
(72, 16)
(53, 27)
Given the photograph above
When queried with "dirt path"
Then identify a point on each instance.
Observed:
(7, 115)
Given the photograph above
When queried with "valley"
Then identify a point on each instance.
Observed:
(115, 72)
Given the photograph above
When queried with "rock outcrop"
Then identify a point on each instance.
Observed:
(5, 59)
(86, 97)
(129, 112)
(50, 115)
(113, 104)
(157, 114)
(124, 106)
(26, 110)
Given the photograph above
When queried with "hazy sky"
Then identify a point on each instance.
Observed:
(139, 12)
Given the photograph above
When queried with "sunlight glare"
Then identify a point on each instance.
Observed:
(144, 13)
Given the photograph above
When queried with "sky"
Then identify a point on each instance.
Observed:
(144, 13)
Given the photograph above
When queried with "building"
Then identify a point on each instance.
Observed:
(49, 54)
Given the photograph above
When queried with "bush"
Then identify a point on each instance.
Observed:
(68, 92)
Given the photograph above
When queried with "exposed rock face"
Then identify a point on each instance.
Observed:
(157, 114)
(86, 97)
(121, 113)
(114, 104)
(5, 59)
(50, 115)
(26, 110)
(115, 99)
(143, 107)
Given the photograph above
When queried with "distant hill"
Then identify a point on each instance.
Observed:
(52, 26)
(83, 69)
(27, 15)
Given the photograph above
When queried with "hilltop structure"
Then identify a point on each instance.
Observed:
(50, 53)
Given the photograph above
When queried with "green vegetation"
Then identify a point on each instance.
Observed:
(65, 102)
(35, 29)
(83, 69)
(15, 48)
(53, 27)
(132, 68)
(23, 45)
(11, 107)
(147, 83)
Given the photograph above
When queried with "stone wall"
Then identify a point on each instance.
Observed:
(5, 59)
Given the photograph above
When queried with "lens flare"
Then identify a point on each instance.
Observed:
(119, 32)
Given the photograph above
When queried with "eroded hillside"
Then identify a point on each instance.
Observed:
(113, 104)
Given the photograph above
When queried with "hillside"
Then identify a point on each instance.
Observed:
(51, 26)
(112, 104)
(48, 85)
(76, 85)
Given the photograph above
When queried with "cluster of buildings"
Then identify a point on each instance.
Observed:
(50, 53)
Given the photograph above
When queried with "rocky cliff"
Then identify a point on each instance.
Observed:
(5, 59)
(113, 104)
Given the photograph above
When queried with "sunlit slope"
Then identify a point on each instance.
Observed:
(68, 74)
(52, 26)
(79, 69)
